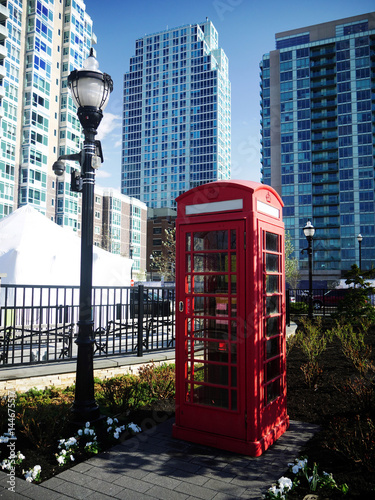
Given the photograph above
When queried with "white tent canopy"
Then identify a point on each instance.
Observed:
(36, 251)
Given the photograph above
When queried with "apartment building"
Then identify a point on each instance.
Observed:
(176, 125)
(318, 138)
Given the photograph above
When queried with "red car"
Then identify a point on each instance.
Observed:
(330, 298)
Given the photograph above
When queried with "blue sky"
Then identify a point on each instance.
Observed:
(246, 31)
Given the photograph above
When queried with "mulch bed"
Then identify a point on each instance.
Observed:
(327, 404)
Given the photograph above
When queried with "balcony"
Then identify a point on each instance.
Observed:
(3, 32)
(324, 51)
(322, 82)
(4, 13)
(324, 146)
(3, 52)
(324, 124)
(321, 115)
(323, 157)
(322, 93)
(325, 189)
(325, 61)
(323, 73)
(325, 168)
(323, 104)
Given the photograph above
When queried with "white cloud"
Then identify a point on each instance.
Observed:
(110, 122)
(102, 174)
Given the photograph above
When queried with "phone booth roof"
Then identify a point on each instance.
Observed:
(229, 196)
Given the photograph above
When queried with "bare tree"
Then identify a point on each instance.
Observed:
(165, 262)
(292, 274)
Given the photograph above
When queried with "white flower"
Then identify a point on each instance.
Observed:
(70, 442)
(72, 458)
(60, 459)
(63, 452)
(134, 427)
(109, 429)
(4, 439)
(109, 421)
(87, 425)
(116, 435)
(87, 431)
(299, 465)
(29, 477)
(285, 483)
(20, 456)
(80, 432)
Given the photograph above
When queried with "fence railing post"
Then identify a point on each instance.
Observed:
(287, 312)
(140, 320)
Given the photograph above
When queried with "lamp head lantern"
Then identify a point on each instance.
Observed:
(90, 89)
(309, 230)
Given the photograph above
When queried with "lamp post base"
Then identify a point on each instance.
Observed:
(85, 409)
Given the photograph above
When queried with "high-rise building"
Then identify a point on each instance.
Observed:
(41, 41)
(318, 138)
(176, 125)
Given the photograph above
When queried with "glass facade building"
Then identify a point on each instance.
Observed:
(41, 41)
(318, 138)
(176, 122)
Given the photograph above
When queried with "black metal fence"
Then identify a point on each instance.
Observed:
(324, 301)
(38, 324)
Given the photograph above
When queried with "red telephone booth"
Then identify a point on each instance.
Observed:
(230, 319)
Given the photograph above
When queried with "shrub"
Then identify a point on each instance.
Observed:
(311, 339)
(356, 350)
(356, 303)
(298, 308)
(160, 381)
(119, 394)
(355, 440)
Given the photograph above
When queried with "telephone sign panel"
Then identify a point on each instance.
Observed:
(230, 325)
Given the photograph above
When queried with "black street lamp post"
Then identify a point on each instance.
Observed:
(360, 238)
(90, 90)
(131, 250)
(309, 232)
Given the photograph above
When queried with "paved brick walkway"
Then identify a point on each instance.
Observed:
(153, 465)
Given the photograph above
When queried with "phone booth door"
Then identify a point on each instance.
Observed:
(211, 303)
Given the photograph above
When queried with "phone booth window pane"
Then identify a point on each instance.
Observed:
(272, 283)
(233, 239)
(211, 396)
(272, 305)
(188, 283)
(272, 326)
(188, 264)
(233, 284)
(211, 240)
(272, 242)
(217, 283)
(233, 354)
(273, 369)
(234, 400)
(214, 262)
(272, 263)
(233, 263)
(233, 331)
(188, 242)
(272, 347)
(273, 390)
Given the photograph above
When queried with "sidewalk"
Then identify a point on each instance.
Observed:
(153, 465)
